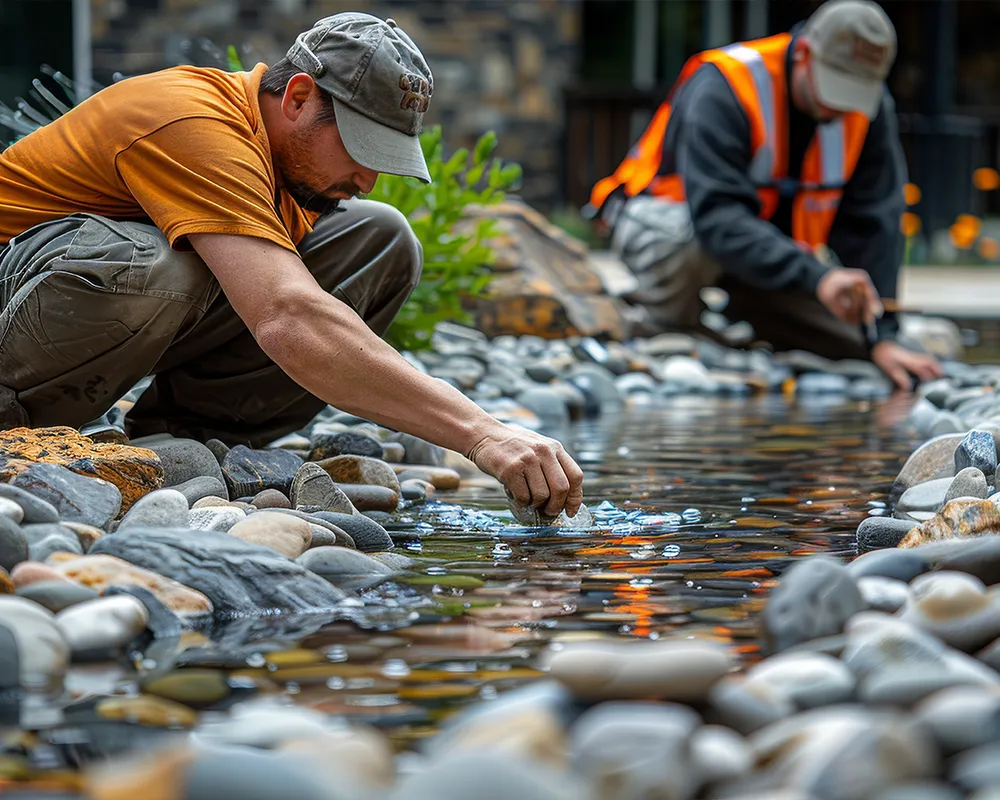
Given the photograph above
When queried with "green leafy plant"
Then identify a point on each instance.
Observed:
(457, 256)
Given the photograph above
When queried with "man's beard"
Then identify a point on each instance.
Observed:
(307, 196)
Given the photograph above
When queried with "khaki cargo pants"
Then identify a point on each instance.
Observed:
(655, 239)
(89, 306)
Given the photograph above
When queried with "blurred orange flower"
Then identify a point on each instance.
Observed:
(989, 248)
(910, 224)
(911, 193)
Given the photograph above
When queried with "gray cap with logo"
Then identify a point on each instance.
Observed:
(854, 44)
(380, 84)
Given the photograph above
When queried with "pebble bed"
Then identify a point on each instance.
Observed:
(878, 678)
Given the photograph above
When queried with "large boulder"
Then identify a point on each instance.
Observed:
(134, 470)
(542, 284)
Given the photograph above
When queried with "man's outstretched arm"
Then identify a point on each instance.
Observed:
(325, 347)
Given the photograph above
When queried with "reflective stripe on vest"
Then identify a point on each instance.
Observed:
(762, 165)
(831, 151)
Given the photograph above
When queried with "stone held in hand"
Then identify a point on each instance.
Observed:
(814, 598)
(135, 471)
(958, 518)
(248, 472)
(283, 533)
(77, 498)
(101, 572)
(241, 579)
(104, 626)
(359, 469)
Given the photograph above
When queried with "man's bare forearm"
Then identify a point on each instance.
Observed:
(328, 350)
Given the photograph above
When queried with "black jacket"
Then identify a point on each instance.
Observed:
(708, 143)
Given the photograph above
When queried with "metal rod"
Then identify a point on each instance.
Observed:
(82, 62)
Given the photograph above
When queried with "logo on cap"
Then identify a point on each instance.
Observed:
(869, 53)
(416, 92)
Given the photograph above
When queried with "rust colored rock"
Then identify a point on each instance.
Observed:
(134, 470)
(958, 519)
(361, 469)
(100, 571)
(6, 582)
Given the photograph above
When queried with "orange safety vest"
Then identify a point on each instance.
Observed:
(756, 72)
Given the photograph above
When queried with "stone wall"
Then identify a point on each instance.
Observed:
(498, 64)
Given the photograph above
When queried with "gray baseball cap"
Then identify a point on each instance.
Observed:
(380, 84)
(853, 44)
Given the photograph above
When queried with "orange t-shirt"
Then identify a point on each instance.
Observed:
(184, 147)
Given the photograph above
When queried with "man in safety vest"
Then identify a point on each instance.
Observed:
(767, 157)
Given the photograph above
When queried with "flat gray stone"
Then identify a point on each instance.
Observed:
(933, 459)
(961, 717)
(76, 498)
(204, 486)
(215, 518)
(44, 540)
(928, 496)
(312, 486)
(368, 535)
(345, 568)
(240, 579)
(13, 544)
(57, 595)
(36, 510)
(902, 565)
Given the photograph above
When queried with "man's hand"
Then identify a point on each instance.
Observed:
(850, 296)
(537, 470)
(899, 363)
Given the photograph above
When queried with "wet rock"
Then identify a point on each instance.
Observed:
(133, 470)
(197, 688)
(368, 498)
(487, 776)
(902, 565)
(345, 568)
(44, 540)
(13, 544)
(43, 653)
(146, 709)
(418, 451)
(57, 595)
(956, 608)
(9, 510)
(102, 627)
(313, 487)
(719, 754)
(358, 469)
(100, 572)
(962, 717)
(165, 508)
(215, 518)
(347, 443)
(397, 562)
(884, 594)
(324, 532)
(959, 518)
(875, 533)
(441, 478)
(678, 670)
(977, 449)
(368, 536)
(248, 472)
(928, 496)
(970, 482)
(184, 460)
(240, 579)
(813, 751)
(414, 490)
(35, 510)
(282, 533)
(197, 488)
(89, 500)
(815, 598)
(934, 459)
(636, 749)
(271, 498)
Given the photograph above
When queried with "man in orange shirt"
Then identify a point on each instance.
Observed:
(202, 227)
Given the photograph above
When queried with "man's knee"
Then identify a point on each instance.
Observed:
(407, 252)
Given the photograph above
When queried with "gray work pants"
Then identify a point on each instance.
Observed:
(655, 239)
(89, 306)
